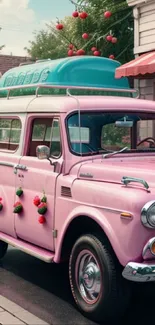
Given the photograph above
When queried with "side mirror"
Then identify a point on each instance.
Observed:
(43, 152)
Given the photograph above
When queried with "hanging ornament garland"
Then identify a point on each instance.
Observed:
(107, 14)
(18, 208)
(75, 14)
(71, 46)
(81, 52)
(42, 220)
(85, 36)
(83, 15)
(109, 38)
(44, 198)
(42, 208)
(70, 53)
(81, 12)
(1, 204)
(112, 57)
(93, 49)
(19, 192)
(41, 204)
(59, 26)
(114, 40)
(97, 53)
(36, 201)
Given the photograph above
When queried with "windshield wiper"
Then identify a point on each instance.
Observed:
(108, 155)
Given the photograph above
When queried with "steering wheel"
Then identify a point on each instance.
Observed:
(149, 139)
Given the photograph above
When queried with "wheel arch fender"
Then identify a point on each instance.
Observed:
(93, 215)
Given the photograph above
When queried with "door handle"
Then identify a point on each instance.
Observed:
(20, 167)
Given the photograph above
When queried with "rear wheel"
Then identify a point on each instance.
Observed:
(96, 282)
(3, 249)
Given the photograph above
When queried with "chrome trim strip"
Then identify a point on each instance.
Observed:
(139, 272)
(3, 163)
(148, 246)
(28, 251)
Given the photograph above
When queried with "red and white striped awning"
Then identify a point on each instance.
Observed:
(144, 64)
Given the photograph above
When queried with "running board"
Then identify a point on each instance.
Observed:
(27, 248)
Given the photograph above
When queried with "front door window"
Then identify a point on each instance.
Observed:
(40, 135)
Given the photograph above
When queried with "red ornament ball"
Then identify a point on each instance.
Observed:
(80, 52)
(42, 220)
(59, 26)
(114, 40)
(97, 53)
(85, 36)
(75, 14)
(36, 201)
(70, 53)
(71, 46)
(83, 15)
(109, 38)
(107, 14)
(111, 57)
(93, 49)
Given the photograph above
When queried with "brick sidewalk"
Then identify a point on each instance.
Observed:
(12, 314)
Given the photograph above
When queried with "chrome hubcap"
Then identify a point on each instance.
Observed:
(88, 277)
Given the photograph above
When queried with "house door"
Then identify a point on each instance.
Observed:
(34, 224)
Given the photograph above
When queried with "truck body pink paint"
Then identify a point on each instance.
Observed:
(77, 179)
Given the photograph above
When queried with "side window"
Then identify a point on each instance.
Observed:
(10, 132)
(113, 138)
(55, 149)
(45, 132)
(40, 134)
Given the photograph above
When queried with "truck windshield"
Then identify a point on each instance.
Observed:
(103, 132)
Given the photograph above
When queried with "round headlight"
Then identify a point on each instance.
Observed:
(148, 214)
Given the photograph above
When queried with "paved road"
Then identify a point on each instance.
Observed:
(44, 291)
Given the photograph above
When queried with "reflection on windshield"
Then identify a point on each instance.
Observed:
(107, 132)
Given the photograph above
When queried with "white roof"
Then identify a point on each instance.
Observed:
(66, 104)
(32, 104)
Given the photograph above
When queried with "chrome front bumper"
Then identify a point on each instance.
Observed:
(140, 272)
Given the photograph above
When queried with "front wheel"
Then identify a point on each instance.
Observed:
(96, 282)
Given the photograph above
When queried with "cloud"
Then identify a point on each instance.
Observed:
(18, 22)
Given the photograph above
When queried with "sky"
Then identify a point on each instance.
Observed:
(20, 18)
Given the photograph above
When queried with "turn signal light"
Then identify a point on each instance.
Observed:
(153, 248)
(126, 215)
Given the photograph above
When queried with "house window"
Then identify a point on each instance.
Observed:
(10, 131)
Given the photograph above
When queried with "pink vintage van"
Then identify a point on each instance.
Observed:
(77, 177)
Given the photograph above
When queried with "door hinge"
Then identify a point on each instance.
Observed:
(55, 233)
